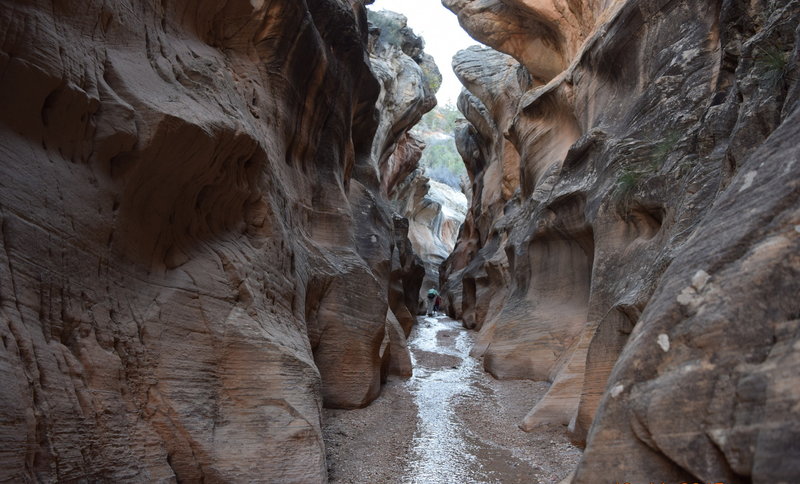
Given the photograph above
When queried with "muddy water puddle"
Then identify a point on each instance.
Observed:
(445, 449)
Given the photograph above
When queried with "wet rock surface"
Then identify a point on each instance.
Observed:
(451, 422)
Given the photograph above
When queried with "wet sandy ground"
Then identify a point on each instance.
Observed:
(449, 423)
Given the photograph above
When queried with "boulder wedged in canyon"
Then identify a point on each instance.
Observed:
(195, 251)
(656, 153)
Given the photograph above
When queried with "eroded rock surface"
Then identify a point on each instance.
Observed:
(409, 79)
(196, 255)
(435, 212)
(493, 167)
(644, 261)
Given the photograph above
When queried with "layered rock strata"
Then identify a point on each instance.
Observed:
(647, 263)
(493, 165)
(409, 79)
(435, 212)
(196, 255)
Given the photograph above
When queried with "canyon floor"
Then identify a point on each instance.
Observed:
(449, 423)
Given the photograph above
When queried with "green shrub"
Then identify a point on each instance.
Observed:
(663, 148)
(431, 75)
(772, 62)
(440, 159)
(627, 182)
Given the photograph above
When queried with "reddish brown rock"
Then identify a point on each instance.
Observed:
(544, 35)
(401, 163)
(655, 153)
(493, 168)
(195, 253)
(395, 353)
(409, 79)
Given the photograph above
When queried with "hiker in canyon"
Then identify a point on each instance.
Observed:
(433, 294)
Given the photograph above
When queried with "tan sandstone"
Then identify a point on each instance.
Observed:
(646, 265)
(196, 255)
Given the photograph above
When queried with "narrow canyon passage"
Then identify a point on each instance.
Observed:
(449, 423)
(219, 222)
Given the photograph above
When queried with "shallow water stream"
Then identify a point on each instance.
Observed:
(445, 448)
(449, 423)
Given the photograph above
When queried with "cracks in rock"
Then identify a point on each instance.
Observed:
(578, 154)
(103, 20)
(188, 444)
(44, 451)
(163, 14)
(9, 266)
(140, 324)
(723, 458)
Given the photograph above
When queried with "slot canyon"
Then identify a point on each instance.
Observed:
(216, 241)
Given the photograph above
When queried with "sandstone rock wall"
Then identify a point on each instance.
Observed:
(409, 79)
(493, 167)
(196, 255)
(647, 263)
(435, 212)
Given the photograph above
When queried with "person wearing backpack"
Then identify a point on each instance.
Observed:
(432, 295)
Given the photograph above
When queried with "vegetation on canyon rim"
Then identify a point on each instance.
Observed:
(440, 159)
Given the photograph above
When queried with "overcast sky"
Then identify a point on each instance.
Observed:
(443, 37)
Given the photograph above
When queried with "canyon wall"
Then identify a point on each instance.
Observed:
(196, 250)
(633, 235)
(435, 212)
